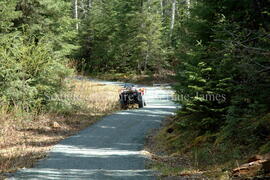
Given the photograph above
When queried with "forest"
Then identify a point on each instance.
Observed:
(217, 53)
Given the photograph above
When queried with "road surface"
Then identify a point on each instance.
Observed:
(110, 149)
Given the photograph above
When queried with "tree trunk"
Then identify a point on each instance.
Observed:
(173, 16)
(149, 4)
(146, 59)
(161, 7)
(188, 6)
(89, 3)
(76, 13)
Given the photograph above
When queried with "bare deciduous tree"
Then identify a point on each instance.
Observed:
(76, 13)
(173, 16)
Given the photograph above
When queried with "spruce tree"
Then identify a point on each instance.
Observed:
(221, 52)
(49, 19)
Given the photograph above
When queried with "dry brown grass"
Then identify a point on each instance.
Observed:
(172, 159)
(26, 137)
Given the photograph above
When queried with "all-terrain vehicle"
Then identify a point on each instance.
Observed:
(131, 95)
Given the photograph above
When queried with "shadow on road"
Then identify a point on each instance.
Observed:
(109, 149)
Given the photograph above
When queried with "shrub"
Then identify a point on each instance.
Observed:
(30, 73)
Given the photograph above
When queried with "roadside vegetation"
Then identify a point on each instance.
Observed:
(146, 79)
(27, 136)
(41, 101)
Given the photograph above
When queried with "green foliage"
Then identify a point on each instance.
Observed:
(30, 73)
(122, 36)
(34, 38)
(50, 19)
(224, 52)
(8, 14)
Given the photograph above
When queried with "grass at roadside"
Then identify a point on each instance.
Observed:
(172, 158)
(27, 137)
(177, 151)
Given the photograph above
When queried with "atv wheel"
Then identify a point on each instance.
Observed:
(122, 103)
(141, 102)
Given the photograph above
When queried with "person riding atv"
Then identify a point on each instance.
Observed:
(131, 95)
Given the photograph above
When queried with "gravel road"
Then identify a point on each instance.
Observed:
(110, 149)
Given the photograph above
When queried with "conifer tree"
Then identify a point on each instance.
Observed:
(50, 19)
(8, 14)
(123, 36)
(221, 52)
